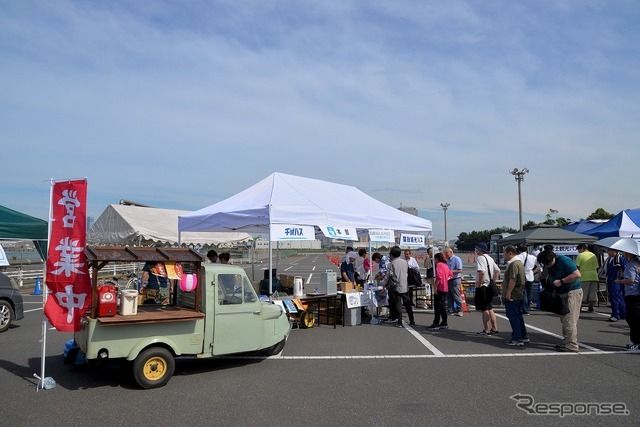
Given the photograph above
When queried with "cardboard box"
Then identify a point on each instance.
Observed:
(346, 286)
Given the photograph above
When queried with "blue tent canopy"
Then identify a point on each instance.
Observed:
(582, 226)
(625, 224)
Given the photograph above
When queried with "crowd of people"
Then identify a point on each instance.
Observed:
(573, 283)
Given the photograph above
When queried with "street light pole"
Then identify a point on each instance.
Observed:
(445, 206)
(519, 175)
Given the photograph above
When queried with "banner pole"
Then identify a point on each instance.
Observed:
(45, 293)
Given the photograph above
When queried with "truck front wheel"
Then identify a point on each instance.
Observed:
(153, 367)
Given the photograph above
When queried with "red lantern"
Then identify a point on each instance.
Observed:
(188, 282)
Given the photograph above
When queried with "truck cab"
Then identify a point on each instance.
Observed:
(221, 316)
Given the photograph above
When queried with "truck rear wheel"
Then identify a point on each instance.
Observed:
(153, 367)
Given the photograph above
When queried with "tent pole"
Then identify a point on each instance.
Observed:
(270, 266)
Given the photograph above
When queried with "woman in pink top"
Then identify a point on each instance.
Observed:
(443, 274)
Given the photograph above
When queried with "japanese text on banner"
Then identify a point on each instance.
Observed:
(67, 271)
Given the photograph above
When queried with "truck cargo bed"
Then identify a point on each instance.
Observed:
(153, 314)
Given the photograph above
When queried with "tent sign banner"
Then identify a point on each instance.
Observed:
(563, 249)
(384, 236)
(285, 232)
(340, 233)
(412, 240)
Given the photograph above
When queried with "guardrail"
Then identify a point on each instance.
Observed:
(28, 277)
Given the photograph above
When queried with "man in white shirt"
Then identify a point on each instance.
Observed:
(530, 268)
(487, 269)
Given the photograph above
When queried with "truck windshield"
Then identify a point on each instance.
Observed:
(234, 289)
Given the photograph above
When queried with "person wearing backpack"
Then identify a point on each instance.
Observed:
(488, 271)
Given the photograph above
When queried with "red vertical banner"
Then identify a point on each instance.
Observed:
(67, 270)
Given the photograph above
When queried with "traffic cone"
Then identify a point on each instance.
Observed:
(465, 309)
(37, 290)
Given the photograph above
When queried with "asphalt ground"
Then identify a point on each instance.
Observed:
(360, 375)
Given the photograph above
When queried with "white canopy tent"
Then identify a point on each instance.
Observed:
(135, 225)
(289, 199)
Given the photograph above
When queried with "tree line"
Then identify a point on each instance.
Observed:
(468, 241)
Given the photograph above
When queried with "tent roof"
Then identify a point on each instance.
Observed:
(289, 199)
(624, 224)
(583, 225)
(15, 225)
(127, 225)
(546, 235)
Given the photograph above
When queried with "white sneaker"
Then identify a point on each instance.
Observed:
(459, 314)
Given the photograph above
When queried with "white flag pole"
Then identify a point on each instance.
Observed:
(45, 293)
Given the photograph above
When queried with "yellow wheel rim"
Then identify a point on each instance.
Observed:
(154, 368)
(308, 319)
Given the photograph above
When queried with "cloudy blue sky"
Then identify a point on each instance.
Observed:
(182, 104)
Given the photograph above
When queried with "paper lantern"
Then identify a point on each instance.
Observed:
(188, 282)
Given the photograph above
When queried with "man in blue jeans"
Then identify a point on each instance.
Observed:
(615, 266)
(513, 289)
(454, 299)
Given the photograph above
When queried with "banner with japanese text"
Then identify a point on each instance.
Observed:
(283, 232)
(339, 233)
(412, 240)
(67, 275)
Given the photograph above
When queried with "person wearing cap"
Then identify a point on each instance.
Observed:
(631, 282)
(487, 269)
(346, 252)
(347, 268)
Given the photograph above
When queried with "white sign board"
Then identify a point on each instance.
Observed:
(282, 232)
(384, 236)
(565, 249)
(412, 240)
(4, 262)
(341, 233)
(358, 299)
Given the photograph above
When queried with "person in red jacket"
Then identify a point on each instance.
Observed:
(443, 275)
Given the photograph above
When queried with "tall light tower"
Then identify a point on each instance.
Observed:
(519, 175)
(445, 206)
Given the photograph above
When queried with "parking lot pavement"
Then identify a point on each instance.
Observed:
(596, 336)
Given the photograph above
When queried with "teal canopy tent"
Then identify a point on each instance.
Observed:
(16, 225)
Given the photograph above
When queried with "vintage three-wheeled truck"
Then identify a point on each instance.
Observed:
(221, 316)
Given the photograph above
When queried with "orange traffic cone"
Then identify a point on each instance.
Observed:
(465, 309)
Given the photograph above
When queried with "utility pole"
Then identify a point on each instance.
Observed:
(445, 206)
(519, 175)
